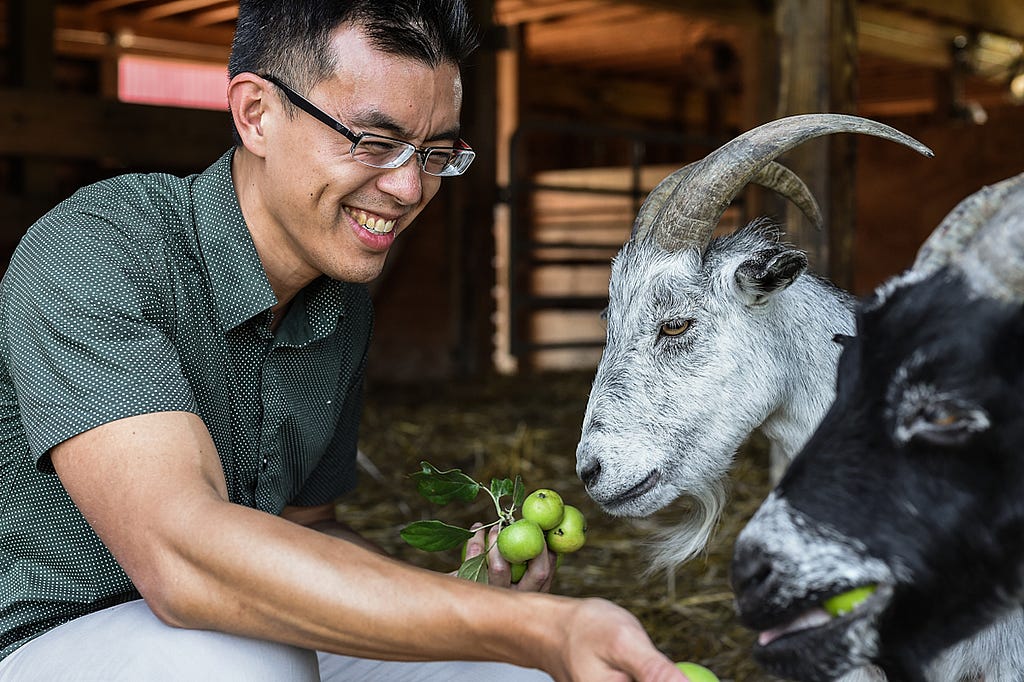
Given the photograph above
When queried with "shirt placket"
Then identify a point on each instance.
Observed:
(267, 481)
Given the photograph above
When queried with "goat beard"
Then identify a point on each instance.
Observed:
(678, 543)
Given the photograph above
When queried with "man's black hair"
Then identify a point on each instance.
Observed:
(290, 39)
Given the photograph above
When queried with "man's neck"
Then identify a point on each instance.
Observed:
(286, 279)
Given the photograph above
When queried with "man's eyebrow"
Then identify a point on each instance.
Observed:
(378, 120)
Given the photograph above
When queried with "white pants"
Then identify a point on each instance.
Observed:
(127, 643)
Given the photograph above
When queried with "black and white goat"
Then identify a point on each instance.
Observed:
(710, 339)
(914, 482)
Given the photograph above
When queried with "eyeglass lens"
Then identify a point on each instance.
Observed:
(382, 152)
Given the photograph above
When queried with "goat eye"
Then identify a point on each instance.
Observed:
(944, 422)
(674, 327)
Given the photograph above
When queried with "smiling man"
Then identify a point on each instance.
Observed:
(180, 394)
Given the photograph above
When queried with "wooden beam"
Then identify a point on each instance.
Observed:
(169, 31)
(927, 42)
(1005, 17)
(211, 17)
(818, 58)
(513, 12)
(69, 126)
(170, 8)
(100, 6)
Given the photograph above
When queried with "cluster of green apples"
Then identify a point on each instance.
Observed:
(546, 520)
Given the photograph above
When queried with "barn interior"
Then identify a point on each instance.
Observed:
(488, 325)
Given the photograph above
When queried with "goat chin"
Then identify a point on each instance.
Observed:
(677, 544)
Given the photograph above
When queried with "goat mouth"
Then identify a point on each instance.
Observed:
(850, 603)
(629, 498)
(815, 637)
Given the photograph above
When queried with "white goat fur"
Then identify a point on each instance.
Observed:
(682, 406)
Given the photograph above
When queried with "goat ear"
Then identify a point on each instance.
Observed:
(768, 272)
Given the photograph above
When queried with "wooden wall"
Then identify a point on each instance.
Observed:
(902, 197)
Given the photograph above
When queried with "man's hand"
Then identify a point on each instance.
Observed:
(605, 642)
(540, 572)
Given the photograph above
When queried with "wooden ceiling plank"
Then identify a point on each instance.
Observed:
(102, 6)
(223, 15)
(172, 8)
(84, 34)
(1005, 17)
(546, 10)
(926, 42)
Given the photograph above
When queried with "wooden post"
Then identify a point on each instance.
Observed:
(33, 68)
(472, 210)
(818, 73)
(509, 63)
(761, 102)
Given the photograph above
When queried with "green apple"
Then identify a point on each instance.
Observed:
(697, 673)
(521, 541)
(545, 507)
(570, 534)
(847, 601)
(518, 570)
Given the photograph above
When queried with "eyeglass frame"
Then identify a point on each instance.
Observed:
(355, 138)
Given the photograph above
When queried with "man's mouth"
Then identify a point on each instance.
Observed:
(371, 223)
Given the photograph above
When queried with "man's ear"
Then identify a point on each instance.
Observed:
(248, 96)
(768, 272)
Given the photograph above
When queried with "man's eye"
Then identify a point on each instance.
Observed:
(675, 327)
(377, 146)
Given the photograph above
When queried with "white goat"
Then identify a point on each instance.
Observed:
(709, 340)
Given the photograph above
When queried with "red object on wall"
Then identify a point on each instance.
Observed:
(166, 82)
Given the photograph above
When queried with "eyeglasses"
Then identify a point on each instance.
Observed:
(380, 151)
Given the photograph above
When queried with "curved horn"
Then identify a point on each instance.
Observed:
(687, 217)
(958, 228)
(993, 261)
(773, 176)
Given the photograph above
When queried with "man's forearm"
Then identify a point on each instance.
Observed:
(261, 576)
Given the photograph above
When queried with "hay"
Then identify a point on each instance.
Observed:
(502, 426)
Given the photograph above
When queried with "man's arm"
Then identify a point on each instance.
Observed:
(321, 518)
(152, 488)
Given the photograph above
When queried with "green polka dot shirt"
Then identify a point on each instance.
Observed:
(142, 294)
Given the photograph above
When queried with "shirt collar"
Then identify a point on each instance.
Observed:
(240, 285)
(241, 289)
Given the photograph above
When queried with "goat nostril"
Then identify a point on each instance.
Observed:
(750, 570)
(590, 475)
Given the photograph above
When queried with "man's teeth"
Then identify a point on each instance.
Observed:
(378, 225)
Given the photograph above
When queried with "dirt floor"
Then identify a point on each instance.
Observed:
(500, 427)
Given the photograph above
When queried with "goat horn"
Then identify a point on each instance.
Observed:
(774, 176)
(687, 217)
(983, 236)
(959, 227)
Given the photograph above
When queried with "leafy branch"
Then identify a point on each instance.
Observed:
(444, 487)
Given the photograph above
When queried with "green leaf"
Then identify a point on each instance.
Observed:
(501, 486)
(474, 568)
(518, 492)
(442, 487)
(434, 536)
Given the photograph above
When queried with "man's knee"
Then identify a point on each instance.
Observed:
(128, 642)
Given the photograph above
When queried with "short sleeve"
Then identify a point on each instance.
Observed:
(87, 330)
